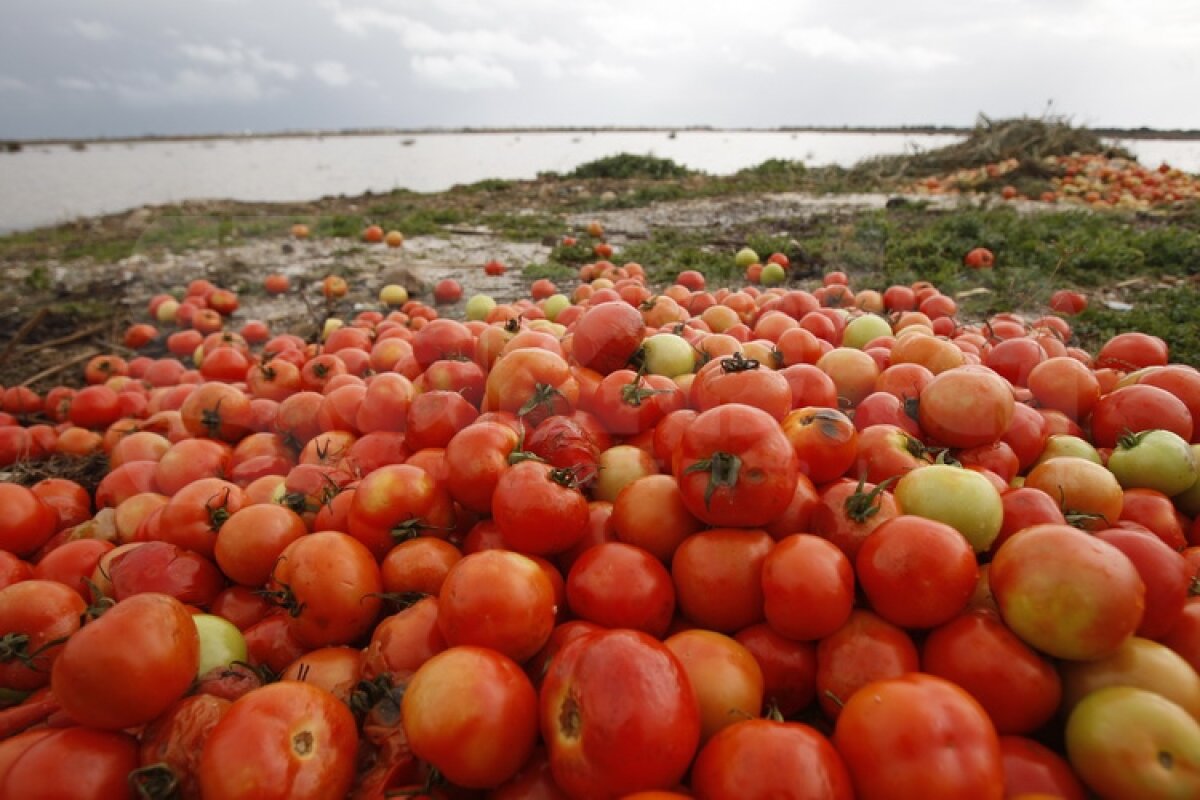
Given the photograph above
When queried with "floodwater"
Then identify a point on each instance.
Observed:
(47, 184)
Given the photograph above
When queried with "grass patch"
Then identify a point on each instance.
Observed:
(627, 165)
(551, 270)
(526, 227)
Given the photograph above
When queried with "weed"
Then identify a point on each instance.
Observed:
(627, 165)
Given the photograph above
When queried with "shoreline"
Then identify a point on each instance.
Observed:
(15, 144)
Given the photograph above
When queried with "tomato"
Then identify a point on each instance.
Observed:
(1131, 351)
(606, 336)
(718, 577)
(1162, 760)
(1141, 663)
(128, 666)
(539, 509)
(271, 643)
(916, 572)
(808, 587)
(480, 744)
(193, 517)
(966, 407)
(1086, 492)
(735, 467)
(1032, 769)
(70, 501)
(865, 649)
(1023, 507)
(167, 569)
(283, 740)
(1045, 569)
(401, 643)
(1064, 384)
(533, 383)
(171, 745)
(646, 601)
(36, 616)
(241, 605)
(1137, 408)
(72, 562)
(418, 565)
(1154, 511)
(825, 441)
(765, 758)
(724, 675)
(979, 258)
(1019, 688)
(100, 763)
(848, 512)
(1164, 572)
(497, 599)
(397, 502)
(251, 540)
(735, 379)
(892, 730)
(1154, 459)
(618, 715)
(475, 459)
(27, 521)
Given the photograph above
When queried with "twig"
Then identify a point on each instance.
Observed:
(82, 333)
(25, 330)
(117, 348)
(60, 367)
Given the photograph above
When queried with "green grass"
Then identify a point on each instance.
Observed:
(627, 165)
(526, 227)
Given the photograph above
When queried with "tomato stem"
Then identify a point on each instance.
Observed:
(738, 363)
(723, 469)
(154, 782)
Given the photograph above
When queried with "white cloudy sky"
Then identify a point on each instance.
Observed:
(127, 67)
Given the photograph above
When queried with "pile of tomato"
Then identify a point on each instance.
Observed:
(732, 543)
(1082, 179)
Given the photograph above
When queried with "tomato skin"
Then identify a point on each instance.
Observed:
(99, 763)
(966, 407)
(538, 509)
(725, 677)
(606, 336)
(1035, 770)
(176, 739)
(867, 648)
(161, 567)
(27, 522)
(718, 577)
(1019, 688)
(286, 740)
(763, 758)
(333, 582)
(1164, 573)
(1136, 408)
(401, 643)
(618, 715)
(735, 467)
(891, 731)
(646, 601)
(477, 745)
(33, 614)
(398, 501)
(475, 459)
(916, 572)
(808, 587)
(128, 666)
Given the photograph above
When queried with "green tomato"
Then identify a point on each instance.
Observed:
(221, 643)
(772, 274)
(1064, 444)
(745, 257)
(555, 304)
(1188, 501)
(1127, 742)
(669, 355)
(861, 330)
(479, 306)
(1142, 663)
(964, 500)
(1155, 459)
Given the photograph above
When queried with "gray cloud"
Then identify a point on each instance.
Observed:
(137, 66)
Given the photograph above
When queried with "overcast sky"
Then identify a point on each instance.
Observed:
(127, 67)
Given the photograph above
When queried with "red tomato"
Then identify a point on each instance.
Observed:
(401, 643)
(252, 539)
(724, 675)
(735, 379)
(718, 577)
(916, 572)
(1019, 688)
(890, 731)
(497, 599)
(848, 512)
(966, 407)
(825, 441)
(128, 666)
(398, 502)
(480, 744)
(1164, 573)
(646, 601)
(36, 616)
(284, 740)
(735, 467)
(539, 509)
(161, 567)
(765, 758)
(172, 744)
(27, 522)
(606, 336)
(618, 715)
(808, 587)
(330, 584)
(865, 649)
(100, 764)
(1034, 770)
(650, 513)
(1137, 408)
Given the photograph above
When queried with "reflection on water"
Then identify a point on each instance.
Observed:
(46, 184)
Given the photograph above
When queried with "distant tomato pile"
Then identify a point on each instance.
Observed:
(731, 543)
(1093, 180)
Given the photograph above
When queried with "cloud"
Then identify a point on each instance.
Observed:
(332, 73)
(192, 87)
(93, 30)
(607, 73)
(9, 84)
(77, 84)
(238, 55)
(462, 73)
(825, 44)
